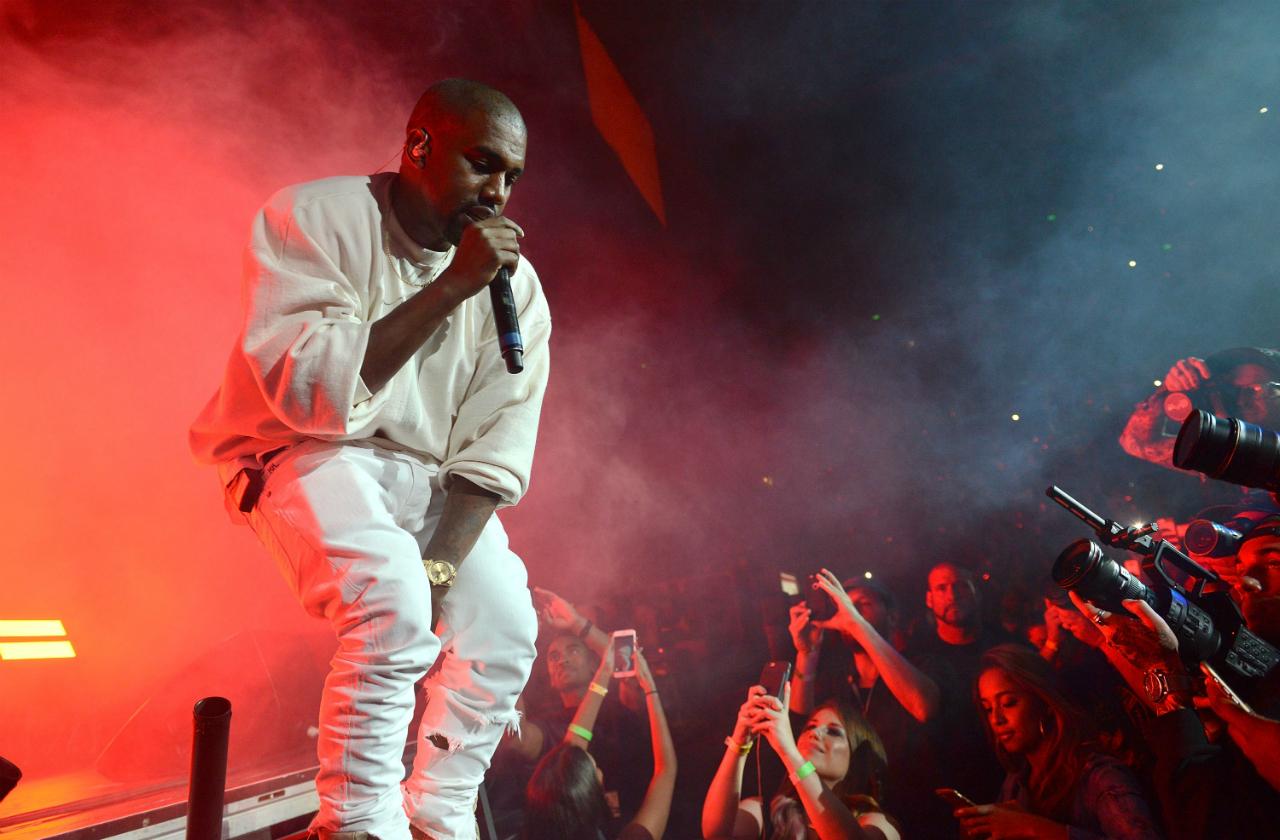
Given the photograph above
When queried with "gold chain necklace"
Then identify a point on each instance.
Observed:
(416, 279)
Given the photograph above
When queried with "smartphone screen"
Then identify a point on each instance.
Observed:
(790, 586)
(624, 653)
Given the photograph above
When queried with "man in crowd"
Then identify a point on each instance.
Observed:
(621, 732)
(367, 429)
(949, 651)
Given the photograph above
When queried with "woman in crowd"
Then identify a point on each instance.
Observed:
(565, 798)
(835, 774)
(1059, 783)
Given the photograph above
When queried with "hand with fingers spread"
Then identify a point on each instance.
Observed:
(1186, 374)
(1140, 643)
(1144, 639)
(847, 621)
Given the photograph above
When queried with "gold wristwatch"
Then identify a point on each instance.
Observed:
(440, 572)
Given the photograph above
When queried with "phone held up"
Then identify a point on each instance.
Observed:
(954, 798)
(821, 607)
(774, 677)
(624, 653)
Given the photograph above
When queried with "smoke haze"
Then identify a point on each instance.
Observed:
(891, 226)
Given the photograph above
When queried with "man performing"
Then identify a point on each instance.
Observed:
(367, 428)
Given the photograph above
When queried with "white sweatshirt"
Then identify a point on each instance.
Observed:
(327, 259)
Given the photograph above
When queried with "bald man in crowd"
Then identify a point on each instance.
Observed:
(367, 429)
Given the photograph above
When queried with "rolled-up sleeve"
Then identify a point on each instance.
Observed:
(492, 440)
(304, 336)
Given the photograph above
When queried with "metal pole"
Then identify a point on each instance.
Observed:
(208, 768)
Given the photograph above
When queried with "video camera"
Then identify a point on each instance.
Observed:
(1209, 625)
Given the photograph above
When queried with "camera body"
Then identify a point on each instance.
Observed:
(1209, 625)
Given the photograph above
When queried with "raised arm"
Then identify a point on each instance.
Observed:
(559, 614)
(807, 637)
(581, 729)
(830, 818)
(656, 808)
(916, 692)
(724, 814)
(1143, 436)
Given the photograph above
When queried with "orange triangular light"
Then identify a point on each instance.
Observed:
(619, 118)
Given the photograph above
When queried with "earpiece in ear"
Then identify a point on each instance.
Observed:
(419, 147)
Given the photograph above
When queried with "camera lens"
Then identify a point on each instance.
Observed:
(1230, 449)
(1078, 561)
(1084, 569)
(1206, 538)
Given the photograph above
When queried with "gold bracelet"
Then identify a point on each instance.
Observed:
(743, 749)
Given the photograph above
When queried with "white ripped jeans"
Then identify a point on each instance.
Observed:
(347, 525)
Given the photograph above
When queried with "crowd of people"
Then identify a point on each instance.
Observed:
(1063, 720)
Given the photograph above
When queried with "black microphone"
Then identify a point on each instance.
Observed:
(504, 318)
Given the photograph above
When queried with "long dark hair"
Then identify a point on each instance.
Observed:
(564, 800)
(861, 788)
(1063, 724)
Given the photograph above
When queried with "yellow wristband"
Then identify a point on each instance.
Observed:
(743, 749)
(598, 689)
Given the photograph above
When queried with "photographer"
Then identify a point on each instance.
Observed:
(1205, 789)
(566, 798)
(893, 695)
(1232, 383)
(835, 773)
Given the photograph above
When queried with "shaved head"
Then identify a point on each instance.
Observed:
(453, 100)
(464, 151)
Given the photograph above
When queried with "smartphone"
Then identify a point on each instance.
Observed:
(1211, 673)
(789, 584)
(954, 798)
(774, 677)
(821, 607)
(624, 653)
